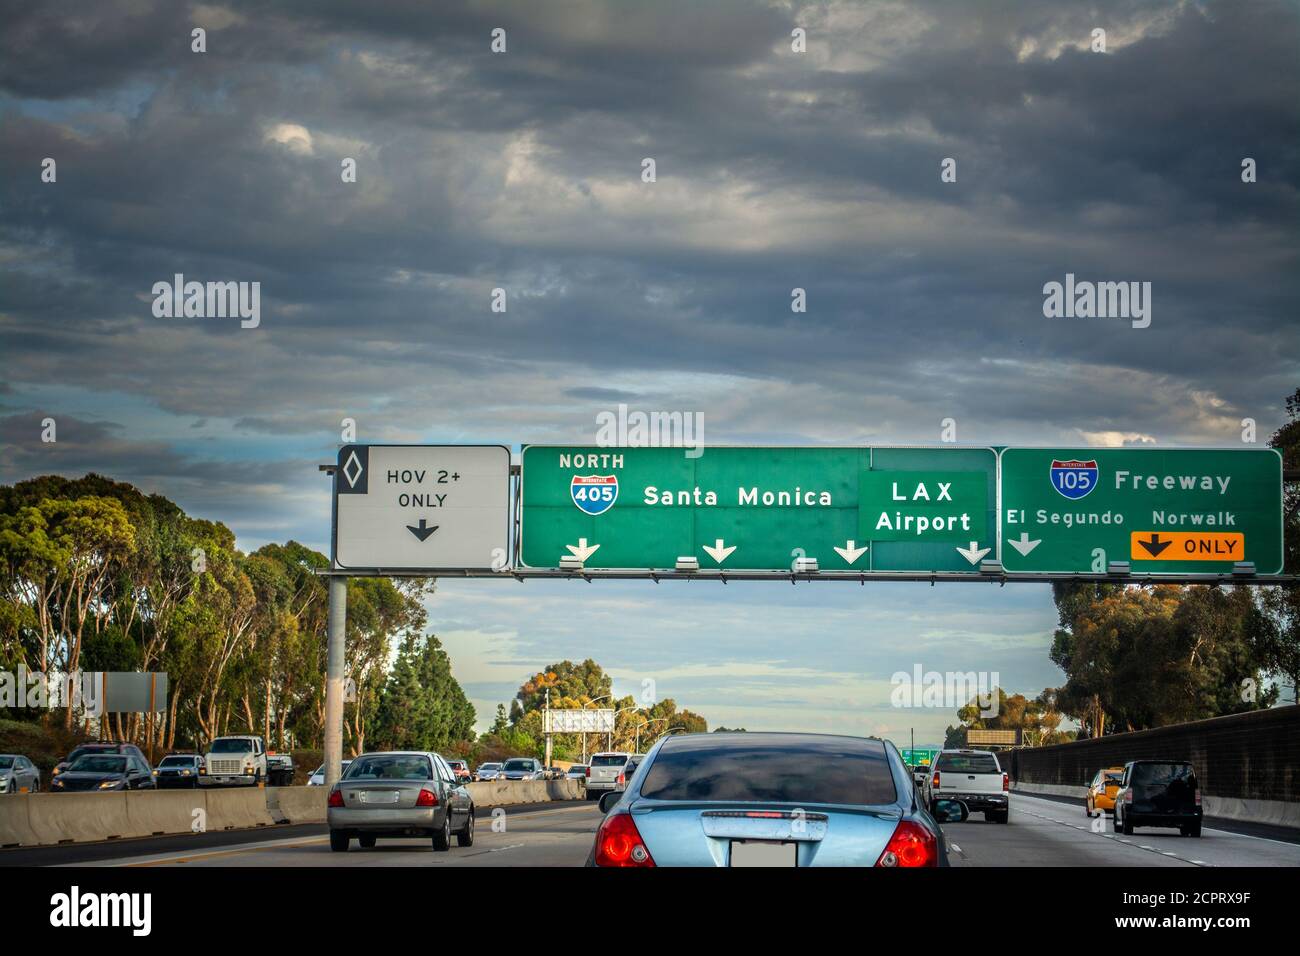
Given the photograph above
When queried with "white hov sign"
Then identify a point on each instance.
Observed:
(422, 507)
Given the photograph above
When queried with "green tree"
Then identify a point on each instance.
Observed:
(422, 707)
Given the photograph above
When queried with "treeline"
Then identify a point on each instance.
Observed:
(638, 722)
(97, 576)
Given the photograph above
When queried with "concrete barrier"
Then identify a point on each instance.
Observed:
(149, 812)
(14, 828)
(77, 817)
(296, 804)
(504, 793)
(237, 808)
(40, 819)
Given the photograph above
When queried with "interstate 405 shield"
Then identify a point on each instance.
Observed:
(853, 509)
(1164, 511)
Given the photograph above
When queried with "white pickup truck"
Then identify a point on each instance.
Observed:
(234, 762)
(973, 777)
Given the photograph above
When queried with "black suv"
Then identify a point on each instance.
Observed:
(1159, 793)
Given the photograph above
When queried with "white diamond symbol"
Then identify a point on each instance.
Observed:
(353, 465)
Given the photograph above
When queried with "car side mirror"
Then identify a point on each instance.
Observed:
(950, 811)
(607, 800)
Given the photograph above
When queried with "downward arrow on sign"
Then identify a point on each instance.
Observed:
(974, 553)
(718, 552)
(850, 553)
(581, 551)
(422, 532)
(1155, 545)
(1024, 545)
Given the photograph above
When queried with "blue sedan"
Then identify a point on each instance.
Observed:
(770, 799)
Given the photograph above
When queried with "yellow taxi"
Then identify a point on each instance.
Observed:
(1102, 790)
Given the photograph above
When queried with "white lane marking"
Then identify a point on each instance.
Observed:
(1149, 849)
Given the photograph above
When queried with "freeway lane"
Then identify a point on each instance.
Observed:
(551, 836)
(1050, 833)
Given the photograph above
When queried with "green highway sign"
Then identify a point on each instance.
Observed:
(1175, 511)
(916, 757)
(852, 509)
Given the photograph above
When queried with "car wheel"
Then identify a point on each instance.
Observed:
(1000, 816)
(442, 839)
(1126, 827)
(366, 841)
(339, 841)
(466, 836)
(1087, 809)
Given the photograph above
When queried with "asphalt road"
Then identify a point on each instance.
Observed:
(554, 835)
(1042, 832)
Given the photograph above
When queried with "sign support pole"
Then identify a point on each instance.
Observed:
(338, 616)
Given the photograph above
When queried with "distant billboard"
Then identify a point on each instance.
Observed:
(1005, 738)
(588, 721)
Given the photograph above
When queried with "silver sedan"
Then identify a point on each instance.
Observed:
(399, 794)
(18, 774)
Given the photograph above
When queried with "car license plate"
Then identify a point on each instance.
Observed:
(763, 853)
(379, 796)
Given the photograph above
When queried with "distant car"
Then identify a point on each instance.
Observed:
(1101, 792)
(523, 768)
(919, 773)
(461, 769)
(317, 778)
(279, 769)
(97, 748)
(1159, 793)
(18, 774)
(973, 777)
(554, 773)
(767, 800)
(628, 770)
(178, 770)
(100, 771)
(399, 794)
(603, 771)
(237, 760)
(577, 772)
(488, 771)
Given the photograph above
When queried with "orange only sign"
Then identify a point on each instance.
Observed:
(1187, 546)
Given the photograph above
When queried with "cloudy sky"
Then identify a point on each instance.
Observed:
(522, 170)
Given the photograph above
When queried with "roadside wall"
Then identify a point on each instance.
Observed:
(1248, 765)
(44, 819)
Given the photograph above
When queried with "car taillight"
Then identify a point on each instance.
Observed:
(427, 798)
(1198, 797)
(1006, 783)
(911, 845)
(618, 843)
(622, 779)
(935, 781)
(588, 772)
(1128, 796)
(336, 798)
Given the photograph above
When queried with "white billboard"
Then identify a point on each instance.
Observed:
(589, 721)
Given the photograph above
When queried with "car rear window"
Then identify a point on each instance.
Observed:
(608, 760)
(390, 767)
(772, 769)
(1164, 774)
(967, 763)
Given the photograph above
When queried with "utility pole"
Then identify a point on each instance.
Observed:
(546, 723)
(334, 664)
